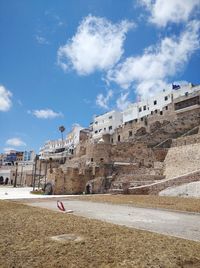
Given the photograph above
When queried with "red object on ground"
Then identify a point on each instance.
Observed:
(60, 206)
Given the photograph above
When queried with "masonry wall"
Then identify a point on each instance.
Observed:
(182, 159)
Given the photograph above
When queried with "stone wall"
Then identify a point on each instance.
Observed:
(181, 160)
(155, 188)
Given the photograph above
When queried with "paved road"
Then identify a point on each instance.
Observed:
(178, 224)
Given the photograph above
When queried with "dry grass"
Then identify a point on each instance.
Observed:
(25, 233)
(151, 201)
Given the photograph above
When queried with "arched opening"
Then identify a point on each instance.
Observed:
(88, 189)
(118, 138)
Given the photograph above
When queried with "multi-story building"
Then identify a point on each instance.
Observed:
(105, 124)
(28, 155)
(60, 148)
(159, 102)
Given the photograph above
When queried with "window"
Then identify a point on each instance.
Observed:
(100, 130)
(186, 94)
(136, 120)
(91, 160)
(166, 107)
(151, 112)
(104, 128)
(156, 111)
(161, 113)
(130, 133)
(140, 109)
(96, 132)
(96, 123)
(166, 98)
(144, 107)
(112, 140)
(155, 102)
(142, 118)
(110, 117)
(110, 128)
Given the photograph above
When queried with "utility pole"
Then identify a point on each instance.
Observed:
(15, 181)
(34, 177)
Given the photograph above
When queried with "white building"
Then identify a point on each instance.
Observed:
(106, 123)
(158, 102)
(59, 148)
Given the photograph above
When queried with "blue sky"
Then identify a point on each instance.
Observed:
(61, 62)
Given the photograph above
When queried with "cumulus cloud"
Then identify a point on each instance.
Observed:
(165, 11)
(150, 71)
(122, 102)
(102, 101)
(97, 45)
(15, 142)
(45, 114)
(5, 99)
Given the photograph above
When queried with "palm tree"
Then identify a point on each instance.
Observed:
(62, 129)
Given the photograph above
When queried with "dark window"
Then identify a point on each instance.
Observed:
(91, 159)
(151, 112)
(155, 102)
(186, 93)
(112, 140)
(96, 122)
(144, 108)
(136, 120)
(100, 130)
(104, 128)
(130, 133)
(96, 132)
(110, 127)
(101, 159)
(161, 113)
(142, 118)
(166, 98)
(166, 107)
(110, 117)
(140, 109)
(156, 111)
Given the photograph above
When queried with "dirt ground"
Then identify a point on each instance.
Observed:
(148, 201)
(25, 242)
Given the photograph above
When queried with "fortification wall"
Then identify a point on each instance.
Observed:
(181, 160)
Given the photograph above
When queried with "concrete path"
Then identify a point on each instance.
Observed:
(9, 192)
(178, 224)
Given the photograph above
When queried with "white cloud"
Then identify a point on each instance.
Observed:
(41, 40)
(102, 101)
(165, 11)
(15, 142)
(5, 99)
(150, 71)
(7, 150)
(97, 45)
(122, 102)
(45, 114)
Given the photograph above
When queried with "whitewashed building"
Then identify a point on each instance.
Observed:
(60, 148)
(158, 102)
(106, 124)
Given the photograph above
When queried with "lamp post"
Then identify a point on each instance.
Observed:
(15, 181)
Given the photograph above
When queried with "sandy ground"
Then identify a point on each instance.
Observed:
(25, 241)
(179, 224)
(186, 190)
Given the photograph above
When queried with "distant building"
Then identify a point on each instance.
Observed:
(28, 155)
(105, 124)
(59, 148)
(159, 101)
